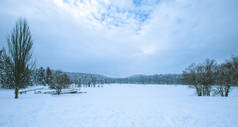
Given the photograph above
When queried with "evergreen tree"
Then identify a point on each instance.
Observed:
(41, 76)
(49, 76)
(6, 72)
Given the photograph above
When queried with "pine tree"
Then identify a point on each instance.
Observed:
(49, 76)
(41, 76)
(6, 72)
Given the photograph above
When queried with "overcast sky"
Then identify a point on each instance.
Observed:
(125, 37)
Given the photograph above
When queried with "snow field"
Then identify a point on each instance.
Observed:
(120, 106)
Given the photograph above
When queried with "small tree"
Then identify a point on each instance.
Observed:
(201, 76)
(227, 76)
(41, 76)
(65, 80)
(208, 76)
(191, 76)
(1, 58)
(223, 79)
(6, 75)
(234, 70)
(94, 81)
(19, 46)
(49, 77)
(61, 81)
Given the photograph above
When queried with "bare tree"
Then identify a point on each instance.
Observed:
(224, 79)
(208, 75)
(1, 60)
(234, 70)
(190, 76)
(227, 76)
(61, 81)
(19, 46)
(201, 76)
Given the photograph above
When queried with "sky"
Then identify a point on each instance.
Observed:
(125, 37)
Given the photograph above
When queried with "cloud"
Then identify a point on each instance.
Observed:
(109, 13)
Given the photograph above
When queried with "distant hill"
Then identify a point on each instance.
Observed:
(86, 78)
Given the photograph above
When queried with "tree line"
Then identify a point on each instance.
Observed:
(54, 79)
(210, 78)
(151, 79)
(91, 79)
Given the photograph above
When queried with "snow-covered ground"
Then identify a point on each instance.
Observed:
(120, 106)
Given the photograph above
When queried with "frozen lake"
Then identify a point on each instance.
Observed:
(120, 106)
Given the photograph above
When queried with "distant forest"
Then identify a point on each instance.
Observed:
(84, 78)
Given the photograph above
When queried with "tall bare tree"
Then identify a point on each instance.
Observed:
(19, 46)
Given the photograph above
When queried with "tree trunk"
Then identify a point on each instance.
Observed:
(16, 93)
(208, 91)
(221, 91)
(198, 90)
(203, 91)
(227, 90)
